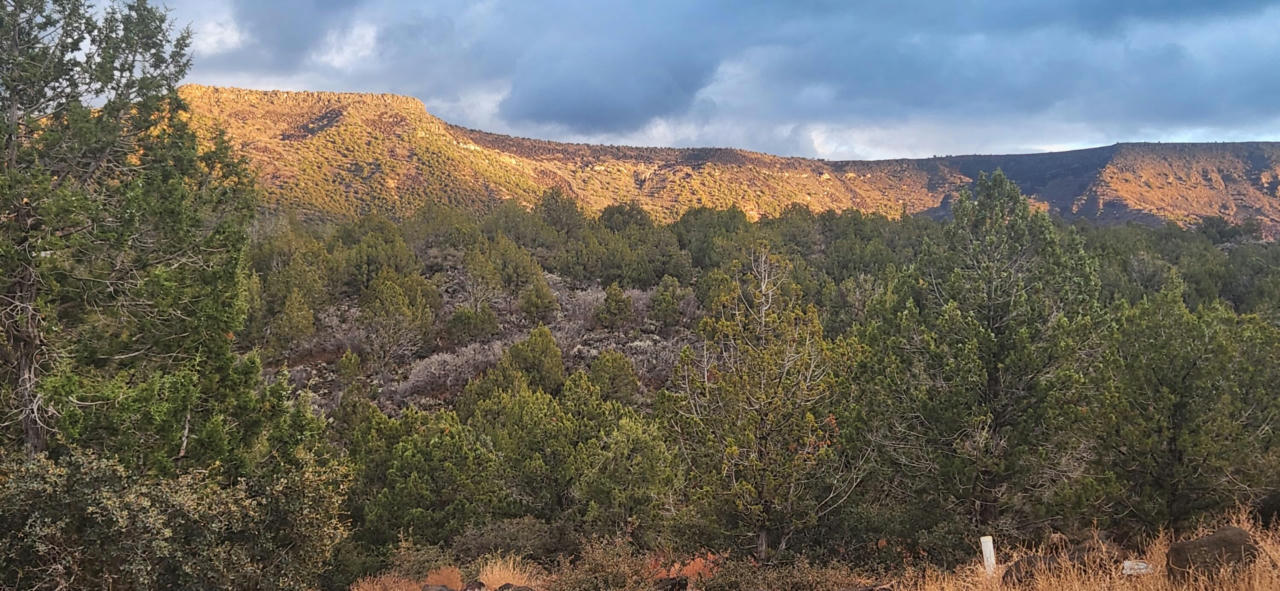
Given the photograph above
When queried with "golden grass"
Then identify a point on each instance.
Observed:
(1098, 574)
(1263, 575)
(496, 571)
(448, 576)
(387, 583)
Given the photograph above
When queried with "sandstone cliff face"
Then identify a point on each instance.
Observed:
(344, 154)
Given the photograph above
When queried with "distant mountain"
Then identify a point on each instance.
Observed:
(338, 153)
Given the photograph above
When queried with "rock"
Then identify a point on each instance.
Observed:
(671, 584)
(1025, 569)
(474, 586)
(1133, 568)
(435, 588)
(1268, 510)
(1229, 547)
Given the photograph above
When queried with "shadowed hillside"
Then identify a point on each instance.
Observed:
(350, 153)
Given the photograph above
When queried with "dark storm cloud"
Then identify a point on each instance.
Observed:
(614, 70)
(284, 31)
(773, 74)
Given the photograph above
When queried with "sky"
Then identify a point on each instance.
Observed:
(827, 79)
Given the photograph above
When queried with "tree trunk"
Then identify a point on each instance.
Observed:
(762, 545)
(33, 430)
(24, 338)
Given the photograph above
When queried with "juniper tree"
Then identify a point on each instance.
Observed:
(980, 363)
(119, 229)
(1193, 426)
(751, 412)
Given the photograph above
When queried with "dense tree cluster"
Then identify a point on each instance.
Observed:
(834, 385)
(848, 379)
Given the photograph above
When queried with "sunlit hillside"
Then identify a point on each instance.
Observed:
(351, 153)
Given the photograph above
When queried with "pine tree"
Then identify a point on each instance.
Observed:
(615, 375)
(397, 312)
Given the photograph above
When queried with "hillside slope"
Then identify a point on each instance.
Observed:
(338, 153)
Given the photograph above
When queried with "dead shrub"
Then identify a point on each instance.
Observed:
(523, 537)
(605, 565)
(414, 561)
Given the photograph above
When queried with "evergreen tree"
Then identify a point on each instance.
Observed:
(752, 414)
(615, 376)
(626, 481)
(122, 237)
(536, 439)
(397, 312)
(1192, 430)
(538, 302)
(983, 367)
(539, 359)
(615, 311)
(114, 222)
(435, 477)
(664, 308)
(296, 322)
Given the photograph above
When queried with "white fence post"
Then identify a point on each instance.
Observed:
(989, 555)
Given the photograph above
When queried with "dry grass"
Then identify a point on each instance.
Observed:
(387, 583)
(701, 566)
(1263, 575)
(495, 571)
(448, 576)
(709, 573)
(1099, 573)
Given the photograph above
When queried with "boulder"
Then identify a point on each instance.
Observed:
(474, 586)
(435, 588)
(1267, 510)
(1026, 569)
(1229, 547)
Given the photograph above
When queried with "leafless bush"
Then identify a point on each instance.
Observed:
(449, 371)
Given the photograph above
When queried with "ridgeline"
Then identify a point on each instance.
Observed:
(344, 154)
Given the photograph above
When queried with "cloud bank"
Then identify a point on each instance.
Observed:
(829, 79)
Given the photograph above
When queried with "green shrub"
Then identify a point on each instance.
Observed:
(538, 302)
(615, 376)
(86, 520)
(615, 311)
(471, 324)
(664, 308)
